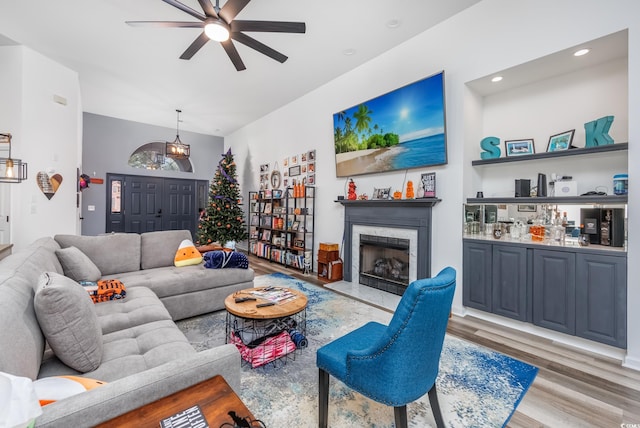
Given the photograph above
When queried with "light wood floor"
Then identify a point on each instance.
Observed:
(573, 388)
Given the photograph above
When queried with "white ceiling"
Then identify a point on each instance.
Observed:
(135, 73)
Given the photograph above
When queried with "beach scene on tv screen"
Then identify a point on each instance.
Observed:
(402, 129)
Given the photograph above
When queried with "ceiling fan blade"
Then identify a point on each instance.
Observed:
(195, 46)
(269, 26)
(234, 56)
(186, 9)
(208, 8)
(166, 24)
(260, 47)
(231, 9)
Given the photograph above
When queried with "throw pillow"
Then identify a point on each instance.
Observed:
(69, 321)
(187, 254)
(51, 389)
(77, 265)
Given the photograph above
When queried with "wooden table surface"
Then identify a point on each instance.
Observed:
(214, 396)
(249, 310)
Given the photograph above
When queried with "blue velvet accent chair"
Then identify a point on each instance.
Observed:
(398, 363)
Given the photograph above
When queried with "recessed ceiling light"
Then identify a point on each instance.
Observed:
(349, 52)
(393, 23)
(581, 52)
(496, 79)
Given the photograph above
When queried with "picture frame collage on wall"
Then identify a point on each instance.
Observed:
(300, 169)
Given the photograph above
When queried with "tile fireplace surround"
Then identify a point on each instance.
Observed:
(408, 216)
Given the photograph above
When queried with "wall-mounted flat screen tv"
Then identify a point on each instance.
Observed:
(402, 129)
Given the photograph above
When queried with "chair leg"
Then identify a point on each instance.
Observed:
(435, 407)
(400, 414)
(323, 399)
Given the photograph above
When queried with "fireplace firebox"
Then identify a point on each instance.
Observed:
(404, 218)
(384, 263)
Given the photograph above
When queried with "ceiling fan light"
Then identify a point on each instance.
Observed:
(217, 30)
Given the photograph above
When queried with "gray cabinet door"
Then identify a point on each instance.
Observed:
(601, 298)
(509, 294)
(477, 275)
(554, 288)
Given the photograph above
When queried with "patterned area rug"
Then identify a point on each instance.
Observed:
(477, 387)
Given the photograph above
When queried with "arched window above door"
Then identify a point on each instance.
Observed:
(151, 156)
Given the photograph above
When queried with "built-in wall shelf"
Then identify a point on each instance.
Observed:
(547, 155)
(587, 199)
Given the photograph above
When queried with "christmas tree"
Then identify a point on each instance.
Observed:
(223, 219)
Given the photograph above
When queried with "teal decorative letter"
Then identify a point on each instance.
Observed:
(597, 132)
(491, 148)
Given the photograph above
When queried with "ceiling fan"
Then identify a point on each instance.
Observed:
(218, 24)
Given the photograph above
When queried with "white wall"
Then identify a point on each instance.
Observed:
(47, 136)
(490, 36)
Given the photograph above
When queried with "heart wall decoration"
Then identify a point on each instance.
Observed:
(48, 184)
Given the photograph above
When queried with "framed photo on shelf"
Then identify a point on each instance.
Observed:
(294, 171)
(266, 235)
(527, 208)
(382, 193)
(254, 220)
(254, 233)
(429, 184)
(311, 156)
(561, 141)
(519, 147)
(295, 225)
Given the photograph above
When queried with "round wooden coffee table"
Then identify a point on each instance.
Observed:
(249, 309)
(266, 334)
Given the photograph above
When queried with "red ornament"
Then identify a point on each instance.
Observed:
(228, 226)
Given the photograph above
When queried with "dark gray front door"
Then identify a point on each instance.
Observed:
(180, 211)
(143, 204)
(147, 204)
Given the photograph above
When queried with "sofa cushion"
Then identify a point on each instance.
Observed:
(69, 321)
(157, 249)
(77, 266)
(113, 253)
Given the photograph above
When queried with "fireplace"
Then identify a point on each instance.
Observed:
(390, 224)
(384, 263)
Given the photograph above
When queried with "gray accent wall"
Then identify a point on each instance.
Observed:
(108, 142)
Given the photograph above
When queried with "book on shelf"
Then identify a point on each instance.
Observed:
(254, 220)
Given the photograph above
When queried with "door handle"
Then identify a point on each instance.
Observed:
(159, 213)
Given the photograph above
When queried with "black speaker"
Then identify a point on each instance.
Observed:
(542, 185)
(523, 188)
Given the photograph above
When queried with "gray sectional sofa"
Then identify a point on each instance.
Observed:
(51, 327)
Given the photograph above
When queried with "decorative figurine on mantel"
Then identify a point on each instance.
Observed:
(409, 194)
(351, 194)
(420, 191)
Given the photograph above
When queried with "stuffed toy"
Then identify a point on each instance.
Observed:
(51, 389)
(187, 254)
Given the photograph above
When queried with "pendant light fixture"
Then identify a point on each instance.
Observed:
(11, 170)
(177, 149)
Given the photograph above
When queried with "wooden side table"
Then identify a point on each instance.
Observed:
(214, 396)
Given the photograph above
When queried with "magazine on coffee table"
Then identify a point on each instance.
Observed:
(188, 418)
(275, 294)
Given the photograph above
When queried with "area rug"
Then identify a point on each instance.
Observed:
(477, 387)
